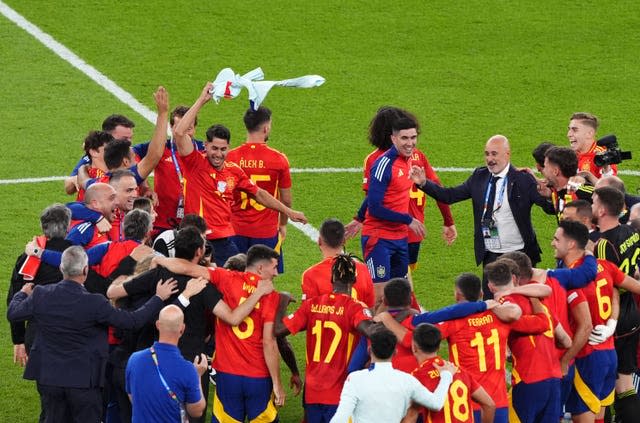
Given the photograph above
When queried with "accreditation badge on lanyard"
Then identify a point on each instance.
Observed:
(174, 159)
(489, 228)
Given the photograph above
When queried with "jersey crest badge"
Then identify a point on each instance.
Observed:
(222, 186)
(381, 271)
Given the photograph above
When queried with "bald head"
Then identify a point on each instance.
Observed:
(101, 198)
(170, 320)
(497, 153)
(634, 212)
(611, 181)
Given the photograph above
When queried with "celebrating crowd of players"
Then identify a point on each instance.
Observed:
(212, 229)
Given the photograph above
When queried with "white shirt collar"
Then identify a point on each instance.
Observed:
(504, 171)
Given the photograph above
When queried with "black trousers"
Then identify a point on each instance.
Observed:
(80, 405)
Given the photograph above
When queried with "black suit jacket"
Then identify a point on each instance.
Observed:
(71, 347)
(522, 194)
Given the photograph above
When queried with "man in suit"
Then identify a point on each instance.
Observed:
(502, 199)
(69, 355)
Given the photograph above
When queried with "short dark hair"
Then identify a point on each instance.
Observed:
(612, 199)
(343, 270)
(260, 252)
(523, 261)
(427, 337)
(187, 242)
(143, 203)
(218, 131)
(180, 111)
(583, 208)
(539, 152)
(194, 220)
(237, 262)
(96, 139)
(380, 128)
(332, 233)
(254, 119)
(115, 152)
(401, 124)
(565, 158)
(500, 272)
(110, 123)
(587, 119)
(470, 286)
(397, 293)
(575, 231)
(137, 224)
(383, 342)
(115, 177)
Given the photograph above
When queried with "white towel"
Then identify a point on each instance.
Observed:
(228, 84)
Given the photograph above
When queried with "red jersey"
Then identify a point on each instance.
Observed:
(116, 233)
(598, 295)
(269, 169)
(316, 280)
(239, 349)
(116, 252)
(478, 344)
(209, 192)
(557, 305)
(586, 161)
(167, 186)
(93, 172)
(529, 350)
(389, 187)
(85, 234)
(457, 407)
(417, 197)
(403, 359)
(331, 322)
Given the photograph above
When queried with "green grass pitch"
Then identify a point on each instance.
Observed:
(467, 69)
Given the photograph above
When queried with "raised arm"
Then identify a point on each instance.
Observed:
(182, 139)
(156, 146)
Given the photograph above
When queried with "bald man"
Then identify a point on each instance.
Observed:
(502, 199)
(629, 200)
(100, 199)
(147, 389)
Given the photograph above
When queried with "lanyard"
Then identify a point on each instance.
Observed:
(174, 159)
(500, 197)
(164, 382)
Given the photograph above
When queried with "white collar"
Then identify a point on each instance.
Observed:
(504, 171)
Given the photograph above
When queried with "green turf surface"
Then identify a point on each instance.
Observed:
(467, 69)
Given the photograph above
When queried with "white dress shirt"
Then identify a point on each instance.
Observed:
(383, 394)
(508, 232)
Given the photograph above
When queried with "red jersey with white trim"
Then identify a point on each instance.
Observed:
(529, 350)
(417, 197)
(209, 192)
(239, 349)
(331, 322)
(389, 186)
(86, 234)
(269, 169)
(478, 344)
(586, 161)
(457, 407)
(316, 281)
(599, 297)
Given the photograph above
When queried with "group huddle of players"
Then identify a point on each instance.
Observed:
(557, 327)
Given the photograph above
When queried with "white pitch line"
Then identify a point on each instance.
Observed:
(293, 170)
